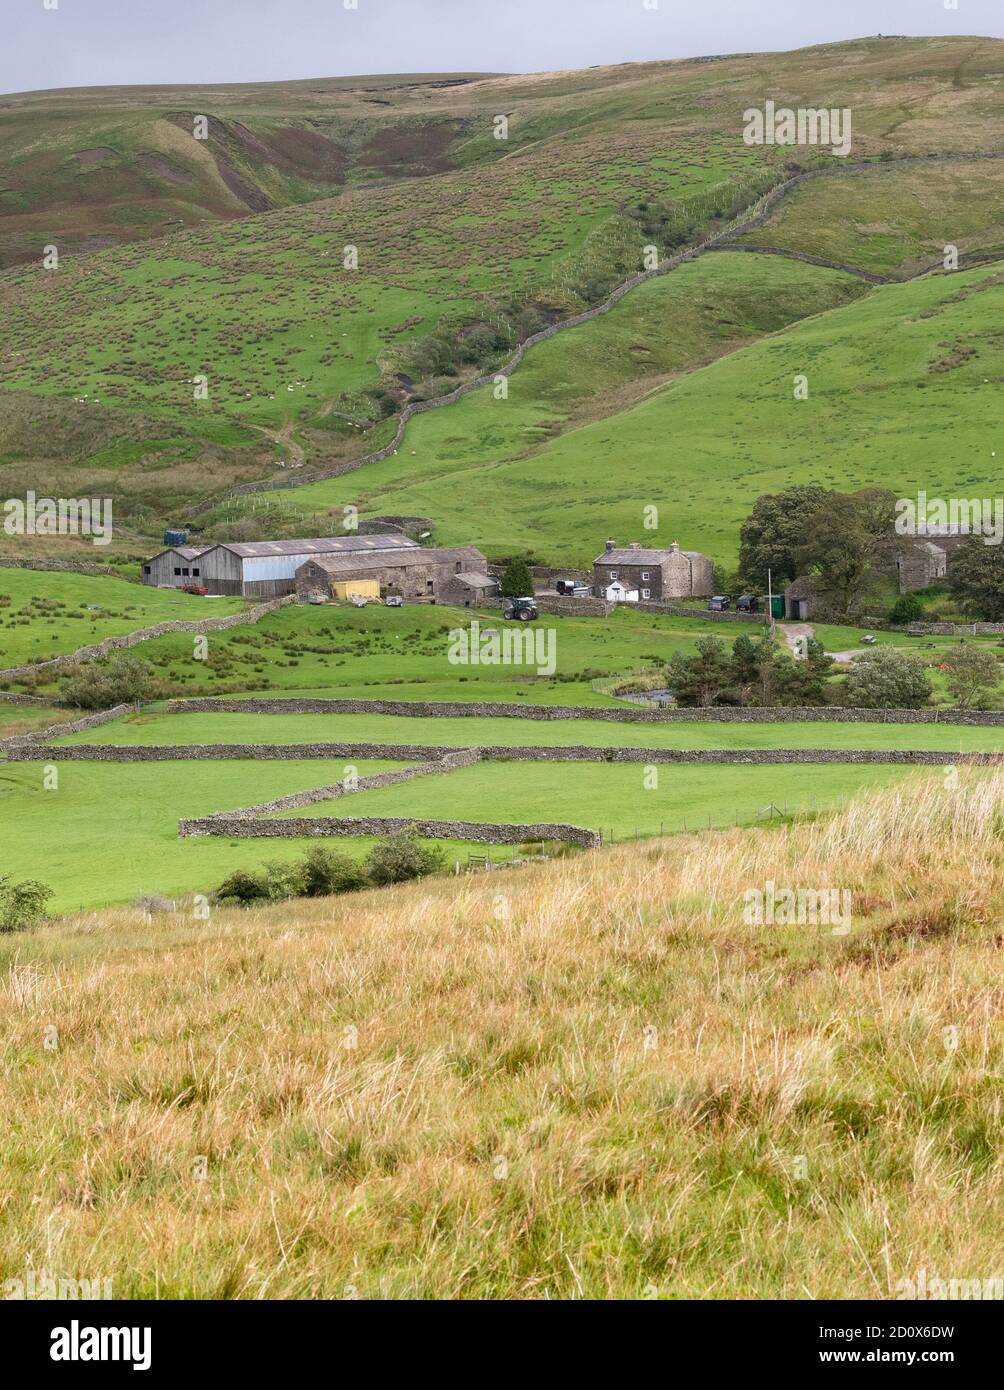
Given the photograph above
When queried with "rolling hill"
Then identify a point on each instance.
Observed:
(465, 243)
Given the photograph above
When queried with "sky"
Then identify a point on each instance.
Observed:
(81, 43)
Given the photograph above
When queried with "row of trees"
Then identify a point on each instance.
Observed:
(755, 672)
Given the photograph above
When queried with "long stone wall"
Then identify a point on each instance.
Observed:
(726, 714)
(299, 827)
(445, 759)
(144, 634)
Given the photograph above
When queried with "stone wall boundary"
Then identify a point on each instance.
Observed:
(481, 832)
(725, 714)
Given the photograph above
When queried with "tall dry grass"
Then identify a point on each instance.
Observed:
(584, 1079)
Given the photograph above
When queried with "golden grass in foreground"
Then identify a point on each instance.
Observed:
(584, 1079)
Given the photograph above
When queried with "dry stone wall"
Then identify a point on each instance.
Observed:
(299, 827)
(447, 709)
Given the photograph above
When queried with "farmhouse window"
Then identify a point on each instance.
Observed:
(644, 575)
(197, 573)
(613, 574)
(185, 572)
(177, 570)
(646, 593)
(146, 569)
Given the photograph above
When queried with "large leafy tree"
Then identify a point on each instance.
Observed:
(702, 679)
(973, 675)
(976, 578)
(843, 543)
(771, 534)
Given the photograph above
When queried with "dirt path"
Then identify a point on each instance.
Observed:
(754, 216)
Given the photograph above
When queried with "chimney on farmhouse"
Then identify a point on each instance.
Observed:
(610, 545)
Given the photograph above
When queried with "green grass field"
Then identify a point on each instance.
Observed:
(153, 727)
(48, 613)
(619, 799)
(109, 832)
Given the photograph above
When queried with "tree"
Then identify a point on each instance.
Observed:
(702, 679)
(100, 685)
(772, 533)
(886, 678)
(976, 579)
(517, 581)
(973, 675)
(842, 544)
(22, 904)
(907, 609)
(402, 856)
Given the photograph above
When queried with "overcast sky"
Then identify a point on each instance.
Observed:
(97, 42)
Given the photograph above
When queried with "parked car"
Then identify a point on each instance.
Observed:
(747, 603)
(719, 602)
(393, 600)
(868, 637)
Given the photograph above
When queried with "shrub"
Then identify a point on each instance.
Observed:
(325, 871)
(402, 856)
(22, 904)
(907, 609)
(243, 886)
(100, 685)
(886, 678)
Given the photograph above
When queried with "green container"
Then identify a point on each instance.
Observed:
(774, 605)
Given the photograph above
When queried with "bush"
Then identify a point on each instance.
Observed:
(886, 678)
(22, 904)
(325, 871)
(243, 886)
(907, 609)
(401, 857)
(100, 685)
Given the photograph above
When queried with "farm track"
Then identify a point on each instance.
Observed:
(754, 217)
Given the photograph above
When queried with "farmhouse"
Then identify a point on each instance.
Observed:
(257, 569)
(456, 576)
(631, 573)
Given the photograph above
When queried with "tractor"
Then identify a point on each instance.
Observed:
(525, 609)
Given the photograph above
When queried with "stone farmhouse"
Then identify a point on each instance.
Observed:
(632, 573)
(920, 565)
(269, 569)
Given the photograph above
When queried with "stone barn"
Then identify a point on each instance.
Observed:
(455, 576)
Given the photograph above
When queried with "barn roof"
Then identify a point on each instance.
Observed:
(319, 545)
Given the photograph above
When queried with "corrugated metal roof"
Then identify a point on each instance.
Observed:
(318, 545)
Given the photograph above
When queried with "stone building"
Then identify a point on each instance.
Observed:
(457, 576)
(920, 564)
(257, 569)
(655, 574)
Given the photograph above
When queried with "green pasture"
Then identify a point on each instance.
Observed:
(153, 727)
(110, 831)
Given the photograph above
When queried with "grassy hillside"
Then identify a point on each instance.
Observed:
(589, 1079)
(462, 238)
(892, 402)
(892, 221)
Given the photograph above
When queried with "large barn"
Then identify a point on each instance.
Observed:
(258, 569)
